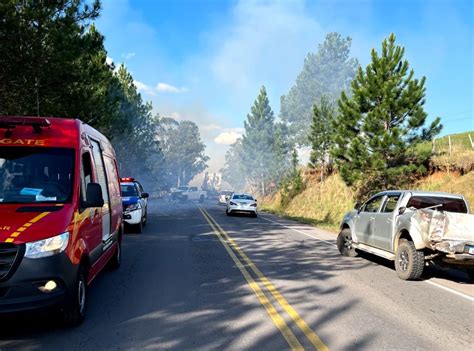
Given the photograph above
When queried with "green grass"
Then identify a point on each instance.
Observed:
(459, 142)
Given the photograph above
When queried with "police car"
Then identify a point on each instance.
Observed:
(135, 202)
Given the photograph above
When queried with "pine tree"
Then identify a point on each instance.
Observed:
(258, 142)
(325, 73)
(378, 128)
(320, 134)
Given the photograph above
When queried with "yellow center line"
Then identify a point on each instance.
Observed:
(299, 321)
(272, 312)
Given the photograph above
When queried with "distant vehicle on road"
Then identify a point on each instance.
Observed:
(411, 227)
(224, 195)
(61, 214)
(135, 203)
(241, 203)
(190, 193)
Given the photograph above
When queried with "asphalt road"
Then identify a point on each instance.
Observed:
(197, 279)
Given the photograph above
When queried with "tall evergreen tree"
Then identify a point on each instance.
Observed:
(320, 135)
(258, 142)
(327, 72)
(378, 128)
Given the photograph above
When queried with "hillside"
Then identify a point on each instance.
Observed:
(324, 204)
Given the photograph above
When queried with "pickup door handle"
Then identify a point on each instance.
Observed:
(372, 218)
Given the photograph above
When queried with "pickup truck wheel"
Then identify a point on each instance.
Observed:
(201, 199)
(409, 262)
(74, 310)
(344, 243)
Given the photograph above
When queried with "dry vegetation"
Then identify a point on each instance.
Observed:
(324, 203)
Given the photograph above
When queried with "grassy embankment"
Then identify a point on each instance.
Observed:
(324, 203)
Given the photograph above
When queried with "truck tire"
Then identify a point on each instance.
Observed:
(74, 310)
(409, 262)
(201, 199)
(344, 243)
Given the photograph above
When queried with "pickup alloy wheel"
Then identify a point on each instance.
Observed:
(344, 243)
(409, 262)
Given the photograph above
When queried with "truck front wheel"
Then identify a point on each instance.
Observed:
(344, 243)
(409, 262)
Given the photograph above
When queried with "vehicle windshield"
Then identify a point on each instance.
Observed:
(448, 204)
(242, 197)
(36, 175)
(128, 190)
(183, 188)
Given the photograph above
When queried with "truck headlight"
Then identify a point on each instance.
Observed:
(47, 247)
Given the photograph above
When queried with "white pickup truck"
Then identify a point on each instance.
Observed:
(410, 228)
(191, 193)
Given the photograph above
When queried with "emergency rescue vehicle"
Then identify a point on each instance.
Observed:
(60, 213)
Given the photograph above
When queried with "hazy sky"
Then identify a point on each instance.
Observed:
(206, 60)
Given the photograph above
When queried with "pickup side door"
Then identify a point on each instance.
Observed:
(364, 221)
(385, 222)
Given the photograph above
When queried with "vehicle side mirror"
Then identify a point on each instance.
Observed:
(145, 195)
(227, 197)
(357, 206)
(402, 210)
(94, 196)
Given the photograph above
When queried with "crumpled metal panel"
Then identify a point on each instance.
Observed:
(445, 231)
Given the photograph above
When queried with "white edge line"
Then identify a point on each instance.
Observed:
(299, 231)
(458, 293)
(455, 292)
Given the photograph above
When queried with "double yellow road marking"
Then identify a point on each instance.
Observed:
(233, 250)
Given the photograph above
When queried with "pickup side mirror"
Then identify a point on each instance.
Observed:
(145, 195)
(357, 206)
(94, 196)
(402, 210)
